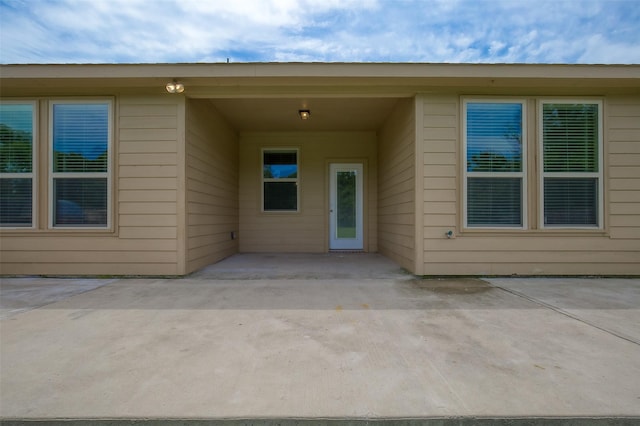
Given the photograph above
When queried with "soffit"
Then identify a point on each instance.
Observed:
(327, 114)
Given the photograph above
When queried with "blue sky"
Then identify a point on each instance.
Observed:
(171, 31)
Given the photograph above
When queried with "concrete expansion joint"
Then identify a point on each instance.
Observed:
(565, 313)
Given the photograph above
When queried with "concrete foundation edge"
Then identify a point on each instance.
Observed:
(430, 421)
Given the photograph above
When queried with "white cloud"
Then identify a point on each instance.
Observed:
(602, 31)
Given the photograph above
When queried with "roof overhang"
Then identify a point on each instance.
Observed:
(221, 80)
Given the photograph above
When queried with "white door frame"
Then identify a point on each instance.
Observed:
(336, 243)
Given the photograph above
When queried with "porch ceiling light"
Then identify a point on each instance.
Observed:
(175, 87)
(304, 114)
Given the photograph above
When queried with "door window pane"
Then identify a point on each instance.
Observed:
(346, 204)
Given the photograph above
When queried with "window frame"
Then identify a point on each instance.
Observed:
(81, 175)
(598, 175)
(33, 175)
(264, 180)
(522, 174)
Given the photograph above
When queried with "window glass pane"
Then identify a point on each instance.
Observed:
(494, 201)
(16, 138)
(570, 137)
(571, 201)
(280, 196)
(80, 201)
(280, 165)
(494, 137)
(80, 137)
(346, 204)
(16, 202)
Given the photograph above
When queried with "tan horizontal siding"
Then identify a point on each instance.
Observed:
(396, 188)
(613, 250)
(212, 186)
(308, 229)
(145, 180)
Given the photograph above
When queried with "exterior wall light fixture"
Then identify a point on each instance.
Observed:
(175, 87)
(304, 114)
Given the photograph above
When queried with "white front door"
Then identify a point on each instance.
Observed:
(345, 209)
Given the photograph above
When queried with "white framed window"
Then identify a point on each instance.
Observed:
(80, 164)
(280, 191)
(17, 164)
(495, 163)
(571, 176)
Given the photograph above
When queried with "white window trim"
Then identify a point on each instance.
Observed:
(522, 174)
(263, 180)
(34, 166)
(89, 175)
(542, 174)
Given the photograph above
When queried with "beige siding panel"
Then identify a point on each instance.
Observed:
(396, 188)
(86, 243)
(143, 241)
(144, 171)
(614, 250)
(212, 186)
(306, 230)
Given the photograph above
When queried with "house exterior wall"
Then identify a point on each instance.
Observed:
(396, 187)
(308, 229)
(146, 209)
(613, 250)
(212, 186)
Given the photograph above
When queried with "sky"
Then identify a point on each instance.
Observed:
(435, 31)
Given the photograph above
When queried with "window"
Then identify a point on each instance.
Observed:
(494, 164)
(17, 168)
(280, 180)
(80, 151)
(571, 176)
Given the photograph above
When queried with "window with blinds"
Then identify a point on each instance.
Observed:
(494, 164)
(17, 182)
(80, 141)
(280, 180)
(571, 164)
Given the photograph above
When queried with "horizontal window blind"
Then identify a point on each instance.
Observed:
(16, 164)
(494, 202)
(570, 201)
(80, 137)
(571, 174)
(16, 202)
(570, 133)
(494, 137)
(80, 201)
(16, 138)
(80, 162)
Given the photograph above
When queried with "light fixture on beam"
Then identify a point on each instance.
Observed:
(174, 87)
(304, 114)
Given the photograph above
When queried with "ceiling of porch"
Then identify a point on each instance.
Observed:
(327, 114)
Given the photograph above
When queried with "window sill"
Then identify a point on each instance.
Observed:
(582, 232)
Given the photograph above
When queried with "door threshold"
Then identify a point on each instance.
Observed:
(346, 251)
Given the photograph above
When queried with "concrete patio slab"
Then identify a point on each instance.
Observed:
(268, 346)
